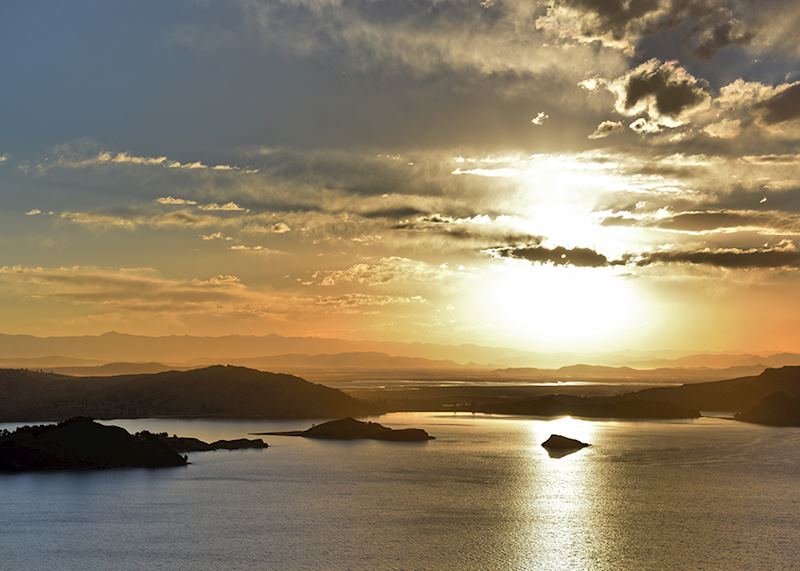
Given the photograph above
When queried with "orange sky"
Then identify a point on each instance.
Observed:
(542, 175)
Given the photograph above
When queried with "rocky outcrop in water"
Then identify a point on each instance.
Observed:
(558, 442)
(352, 429)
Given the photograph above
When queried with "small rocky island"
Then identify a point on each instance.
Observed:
(352, 429)
(558, 442)
(83, 444)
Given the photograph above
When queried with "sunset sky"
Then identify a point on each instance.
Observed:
(549, 175)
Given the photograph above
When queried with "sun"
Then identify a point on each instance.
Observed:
(561, 308)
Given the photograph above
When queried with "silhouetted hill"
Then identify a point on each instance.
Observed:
(731, 395)
(113, 369)
(81, 444)
(219, 391)
(777, 409)
(352, 429)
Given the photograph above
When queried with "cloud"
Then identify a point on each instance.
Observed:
(540, 118)
(558, 256)
(724, 129)
(227, 207)
(169, 200)
(139, 289)
(384, 271)
(256, 249)
(479, 228)
(709, 221)
(662, 91)
(127, 294)
(783, 106)
(276, 228)
(719, 29)
(645, 127)
(486, 37)
(606, 128)
(215, 236)
(68, 159)
(621, 24)
(359, 300)
(784, 255)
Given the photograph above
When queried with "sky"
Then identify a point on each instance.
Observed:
(556, 175)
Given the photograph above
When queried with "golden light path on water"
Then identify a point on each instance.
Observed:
(557, 530)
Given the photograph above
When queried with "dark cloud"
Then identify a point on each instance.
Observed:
(559, 256)
(709, 25)
(785, 106)
(701, 221)
(783, 256)
(667, 85)
(467, 228)
(614, 16)
(724, 31)
(709, 220)
(396, 212)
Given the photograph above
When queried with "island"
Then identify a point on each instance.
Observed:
(558, 446)
(558, 442)
(352, 429)
(82, 444)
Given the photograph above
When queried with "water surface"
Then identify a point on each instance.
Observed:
(701, 494)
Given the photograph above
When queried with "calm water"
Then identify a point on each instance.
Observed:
(703, 494)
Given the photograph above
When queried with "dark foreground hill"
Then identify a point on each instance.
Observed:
(778, 409)
(219, 391)
(768, 398)
(81, 444)
(734, 395)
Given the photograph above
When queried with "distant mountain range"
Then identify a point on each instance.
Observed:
(322, 358)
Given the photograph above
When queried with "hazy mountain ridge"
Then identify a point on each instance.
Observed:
(181, 351)
(120, 347)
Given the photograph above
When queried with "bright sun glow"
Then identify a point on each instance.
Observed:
(560, 307)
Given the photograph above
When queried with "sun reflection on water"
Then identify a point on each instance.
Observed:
(560, 500)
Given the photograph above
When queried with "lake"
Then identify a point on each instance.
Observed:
(709, 493)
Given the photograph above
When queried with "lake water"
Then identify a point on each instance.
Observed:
(702, 494)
